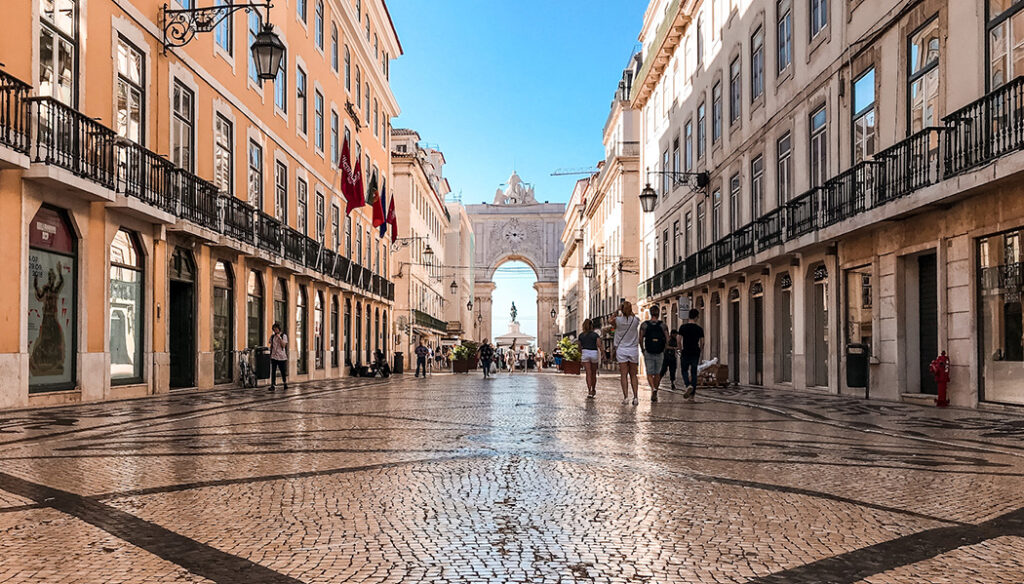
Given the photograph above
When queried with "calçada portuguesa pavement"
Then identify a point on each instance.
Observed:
(516, 479)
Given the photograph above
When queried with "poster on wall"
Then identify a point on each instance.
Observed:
(51, 301)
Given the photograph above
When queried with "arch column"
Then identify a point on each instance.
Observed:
(547, 298)
(482, 292)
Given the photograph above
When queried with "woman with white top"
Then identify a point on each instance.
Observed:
(626, 346)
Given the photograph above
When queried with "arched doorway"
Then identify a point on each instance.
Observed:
(734, 335)
(757, 333)
(514, 282)
(318, 329)
(254, 309)
(182, 318)
(126, 309)
(783, 332)
(817, 326)
(223, 322)
(281, 304)
(301, 320)
(52, 301)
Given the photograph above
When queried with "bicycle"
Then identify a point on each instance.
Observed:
(246, 370)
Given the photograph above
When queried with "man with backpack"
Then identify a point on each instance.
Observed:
(653, 340)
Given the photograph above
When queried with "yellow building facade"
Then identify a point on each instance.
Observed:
(161, 207)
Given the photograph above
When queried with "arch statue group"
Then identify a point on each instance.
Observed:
(517, 227)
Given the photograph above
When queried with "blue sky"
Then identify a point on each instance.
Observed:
(502, 85)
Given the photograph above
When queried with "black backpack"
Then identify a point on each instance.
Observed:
(654, 338)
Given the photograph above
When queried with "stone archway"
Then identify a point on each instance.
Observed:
(516, 227)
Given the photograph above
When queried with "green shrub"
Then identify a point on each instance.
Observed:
(464, 351)
(570, 349)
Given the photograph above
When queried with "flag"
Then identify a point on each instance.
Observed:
(356, 193)
(345, 167)
(373, 198)
(383, 212)
(393, 219)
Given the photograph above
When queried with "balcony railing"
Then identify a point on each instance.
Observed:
(197, 200)
(909, 165)
(294, 245)
(802, 214)
(723, 252)
(743, 242)
(313, 250)
(268, 233)
(14, 126)
(424, 319)
(769, 228)
(849, 194)
(67, 139)
(238, 219)
(146, 176)
(985, 129)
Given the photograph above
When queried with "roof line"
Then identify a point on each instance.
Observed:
(387, 12)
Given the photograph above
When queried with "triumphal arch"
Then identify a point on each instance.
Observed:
(518, 227)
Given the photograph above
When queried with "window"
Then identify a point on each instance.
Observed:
(300, 9)
(281, 192)
(716, 214)
(701, 216)
(301, 318)
(334, 47)
(819, 16)
(254, 309)
(367, 28)
(757, 64)
(182, 127)
(1000, 322)
(700, 41)
(335, 225)
(131, 91)
(784, 33)
(784, 168)
(688, 147)
(58, 50)
(666, 178)
(348, 69)
(359, 9)
(376, 122)
(735, 90)
(318, 23)
(318, 120)
(318, 330)
(864, 116)
(676, 166)
(255, 24)
(126, 302)
(688, 233)
(923, 76)
(321, 218)
(716, 112)
(300, 101)
(366, 109)
(734, 203)
(665, 259)
(819, 148)
(223, 322)
(701, 131)
(256, 175)
(359, 245)
(348, 236)
(359, 87)
(223, 33)
(675, 241)
(281, 87)
(757, 187)
(335, 154)
(223, 154)
(301, 206)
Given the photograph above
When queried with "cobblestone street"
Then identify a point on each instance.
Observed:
(517, 479)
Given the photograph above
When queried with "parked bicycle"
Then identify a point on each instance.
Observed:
(246, 368)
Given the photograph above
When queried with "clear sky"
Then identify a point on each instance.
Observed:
(523, 85)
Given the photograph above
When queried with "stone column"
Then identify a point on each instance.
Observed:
(547, 298)
(482, 301)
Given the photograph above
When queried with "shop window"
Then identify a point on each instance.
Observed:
(52, 302)
(223, 322)
(318, 329)
(1001, 325)
(254, 309)
(301, 320)
(859, 309)
(126, 302)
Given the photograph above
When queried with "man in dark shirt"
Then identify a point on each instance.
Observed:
(691, 342)
(486, 354)
(421, 359)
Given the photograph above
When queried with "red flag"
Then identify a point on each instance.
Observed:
(383, 214)
(393, 219)
(356, 192)
(375, 200)
(345, 166)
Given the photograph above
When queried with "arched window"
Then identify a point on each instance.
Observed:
(384, 331)
(348, 69)
(368, 331)
(376, 329)
(223, 321)
(281, 304)
(301, 361)
(52, 315)
(318, 329)
(359, 331)
(348, 331)
(254, 309)
(333, 347)
(126, 302)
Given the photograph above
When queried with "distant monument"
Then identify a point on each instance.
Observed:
(516, 193)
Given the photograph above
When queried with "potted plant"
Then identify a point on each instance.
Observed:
(463, 357)
(570, 356)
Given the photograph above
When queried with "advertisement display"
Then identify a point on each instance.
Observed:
(51, 302)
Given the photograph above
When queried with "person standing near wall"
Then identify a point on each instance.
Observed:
(278, 357)
(422, 352)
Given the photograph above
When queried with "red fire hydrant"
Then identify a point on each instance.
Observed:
(940, 369)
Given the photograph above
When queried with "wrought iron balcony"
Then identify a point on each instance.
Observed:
(14, 120)
(425, 320)
(68, 139)
(802, 214)
(294, 245)
(268, 234)
(910, 165)
(769, 228)
(145, 175)
(238, 219)
(313, 251)
(723, 252)
(985, 129)
(197, 199)
(743, 242)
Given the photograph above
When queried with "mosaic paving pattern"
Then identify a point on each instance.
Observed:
(516, 479)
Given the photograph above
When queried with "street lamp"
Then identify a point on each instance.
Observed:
(479, 318)
(697, 181)
(427, 252)
(554, 313)
(267, 53)
(588, 270)
(181, 26)
(469, 306)
(454, 287)
(648, 198)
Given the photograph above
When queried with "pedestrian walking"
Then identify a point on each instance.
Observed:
(691, 342)
(510, 357)
(521, 357)
(671, 359)
(422, 352)
(590, 356)
(653, 340)
(626, 347)
(486, 354)
(278, 357)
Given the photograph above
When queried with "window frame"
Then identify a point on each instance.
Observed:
(255, 170)
(819, 135)
(140, 86)
(301, 101)
(757, 77)
(857, 115)
(915, 76)
(140, 269)
(784, 40)
(735, 90)
(220, 119)
(179, 121)
(72, 38)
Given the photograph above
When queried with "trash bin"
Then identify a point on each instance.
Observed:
(857, 355)
(262, 362)
(399, 363)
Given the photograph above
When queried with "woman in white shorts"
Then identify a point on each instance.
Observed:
(627, 350)
(591, 357)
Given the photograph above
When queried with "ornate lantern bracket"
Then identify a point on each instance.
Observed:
(181, 25)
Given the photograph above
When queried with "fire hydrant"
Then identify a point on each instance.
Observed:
(940, 369)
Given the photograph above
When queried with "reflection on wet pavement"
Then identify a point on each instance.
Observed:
(521, 479)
